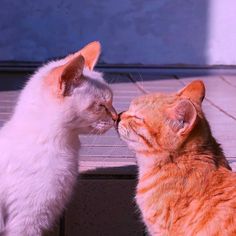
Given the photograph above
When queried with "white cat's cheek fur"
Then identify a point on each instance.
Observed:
(103, 127)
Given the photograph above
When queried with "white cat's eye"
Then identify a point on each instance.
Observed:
(102, 106)
(110, 110)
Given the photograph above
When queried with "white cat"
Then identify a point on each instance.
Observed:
(39, 145)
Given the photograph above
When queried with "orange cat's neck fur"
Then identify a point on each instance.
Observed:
(199, 143)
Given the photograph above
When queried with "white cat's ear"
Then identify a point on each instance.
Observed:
(195, 91)
(90, 52)
(182, 117)
(71, 75)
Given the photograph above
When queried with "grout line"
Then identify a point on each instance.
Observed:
(210, 102)
(226, 81)
(98, 176)
(107, 157)
(220, 109)
(103, 146)
(137, 83)
(5, 113)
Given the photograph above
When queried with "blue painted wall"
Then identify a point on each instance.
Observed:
(131, 31)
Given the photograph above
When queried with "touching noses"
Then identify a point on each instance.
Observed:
(119, 117)
(113, 113)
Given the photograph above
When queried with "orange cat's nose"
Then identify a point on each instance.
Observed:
(119, 117)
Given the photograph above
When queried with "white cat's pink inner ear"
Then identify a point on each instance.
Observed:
(90, 52)
(71, 75)
(62, 79)
(52, 81)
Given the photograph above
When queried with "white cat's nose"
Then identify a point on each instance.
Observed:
(113, 113)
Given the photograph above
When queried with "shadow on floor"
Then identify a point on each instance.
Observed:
(104, 204)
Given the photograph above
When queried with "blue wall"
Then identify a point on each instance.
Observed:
(131, 31)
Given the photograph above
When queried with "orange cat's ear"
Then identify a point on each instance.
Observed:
(71, 75)
(182, 117)
(195, 91)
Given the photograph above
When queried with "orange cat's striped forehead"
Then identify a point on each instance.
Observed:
(151, 106)
(151, 101)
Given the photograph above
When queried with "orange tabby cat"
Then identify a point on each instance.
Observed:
(186, 186)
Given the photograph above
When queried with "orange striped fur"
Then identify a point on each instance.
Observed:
(186, 186)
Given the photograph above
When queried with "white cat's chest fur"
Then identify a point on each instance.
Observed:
(46, 156)
(39, 168)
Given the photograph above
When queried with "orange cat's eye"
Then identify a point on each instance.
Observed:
(138, 118)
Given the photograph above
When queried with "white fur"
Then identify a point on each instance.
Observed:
(39, 151)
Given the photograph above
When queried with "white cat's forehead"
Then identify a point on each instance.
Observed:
(107, 95)
(93, 74)
(104, 93)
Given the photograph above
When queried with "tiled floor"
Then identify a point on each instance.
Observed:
(219, 107)
(109, 151)
(103, 204)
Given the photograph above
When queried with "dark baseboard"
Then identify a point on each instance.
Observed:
(177, 69)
